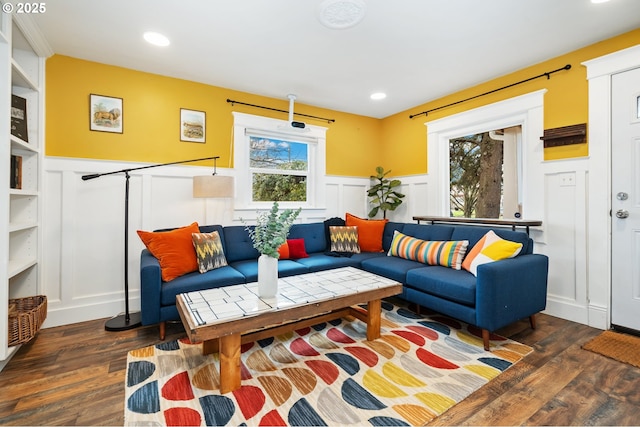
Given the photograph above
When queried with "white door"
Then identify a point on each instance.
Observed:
(625, 189)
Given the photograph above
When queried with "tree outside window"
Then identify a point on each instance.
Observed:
(279, 169)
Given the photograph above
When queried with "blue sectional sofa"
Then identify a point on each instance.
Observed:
(503, 292)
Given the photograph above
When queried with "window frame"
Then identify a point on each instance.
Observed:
(247, 125)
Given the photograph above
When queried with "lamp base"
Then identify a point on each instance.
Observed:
(119, 323)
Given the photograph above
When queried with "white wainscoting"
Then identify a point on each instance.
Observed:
(566, 186)
(83, 243)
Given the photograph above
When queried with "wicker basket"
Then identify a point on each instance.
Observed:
(26, 315)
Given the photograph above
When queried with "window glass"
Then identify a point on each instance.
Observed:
(279, 169)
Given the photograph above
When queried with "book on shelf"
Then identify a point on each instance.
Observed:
(15, 181)
(19, 118)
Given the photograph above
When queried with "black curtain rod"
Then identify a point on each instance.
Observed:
(547, 75)
(231, 101)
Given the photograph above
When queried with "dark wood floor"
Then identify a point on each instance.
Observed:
(74, 375)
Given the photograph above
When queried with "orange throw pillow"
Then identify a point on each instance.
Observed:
(173, 249)
(369, 232)
(283, 250)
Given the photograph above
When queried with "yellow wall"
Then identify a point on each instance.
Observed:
(565, 104)
(355, 144)
(151, 112)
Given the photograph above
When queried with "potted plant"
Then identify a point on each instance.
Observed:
(383, 193)
(269, 233)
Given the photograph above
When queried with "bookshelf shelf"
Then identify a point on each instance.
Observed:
(18, 144)
(20, 78)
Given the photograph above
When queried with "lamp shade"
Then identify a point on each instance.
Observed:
(213, 186)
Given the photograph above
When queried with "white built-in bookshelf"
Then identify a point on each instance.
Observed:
(21, 153)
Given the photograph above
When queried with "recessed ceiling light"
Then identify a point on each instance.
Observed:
(156, 38)
(599, 1)
(378, 95)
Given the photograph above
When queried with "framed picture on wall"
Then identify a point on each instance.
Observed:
(192, 125)
(105, 113)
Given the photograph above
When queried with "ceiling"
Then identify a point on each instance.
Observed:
(414, 50)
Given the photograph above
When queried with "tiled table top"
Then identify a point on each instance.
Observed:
(235, 302)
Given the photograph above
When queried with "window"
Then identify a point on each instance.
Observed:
(279, 169)
(275, 162)
(485, 174)
(525, 114)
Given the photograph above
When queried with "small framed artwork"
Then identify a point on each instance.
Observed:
(192, 125)
(105, 113)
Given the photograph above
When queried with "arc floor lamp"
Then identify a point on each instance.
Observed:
(210, 186)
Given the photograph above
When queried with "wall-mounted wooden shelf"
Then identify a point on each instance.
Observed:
(566, 135)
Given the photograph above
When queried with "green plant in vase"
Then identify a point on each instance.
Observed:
(269, 233)
(271, 229)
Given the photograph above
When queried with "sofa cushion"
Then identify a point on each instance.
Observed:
(344, 239)
(287, 267)
(429, 232)
(432, 252)
(223, 276)
(473, 234)
(454, 285)
(387, 235)
(313, 235)
(369, 232)
(490, 248)
(392, 267)
(173, 249)
(319, 262)
(239, 245)
(358, 258)
(209, 253)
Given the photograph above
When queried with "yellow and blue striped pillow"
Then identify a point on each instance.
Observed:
(435, 252)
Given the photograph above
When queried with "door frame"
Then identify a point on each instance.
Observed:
(599, 73)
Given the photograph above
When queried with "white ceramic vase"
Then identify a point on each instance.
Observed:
(267, 276)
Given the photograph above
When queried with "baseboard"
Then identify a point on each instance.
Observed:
(599, 317)
(68, 315)
(568, 310)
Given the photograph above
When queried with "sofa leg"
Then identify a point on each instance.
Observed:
(163, 330)
(532, 321)
(485, 339)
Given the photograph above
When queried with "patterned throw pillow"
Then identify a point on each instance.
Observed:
(489, 249)
(445, 253)
(344, 239)
(209, 251)
(173, 249)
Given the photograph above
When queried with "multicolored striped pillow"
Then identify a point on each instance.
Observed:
(445, 253)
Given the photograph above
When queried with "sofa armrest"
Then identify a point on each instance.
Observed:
(150, 288)
(511, 289)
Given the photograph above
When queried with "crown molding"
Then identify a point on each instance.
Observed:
(33, 35)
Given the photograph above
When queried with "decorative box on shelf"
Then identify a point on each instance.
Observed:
(26, 316)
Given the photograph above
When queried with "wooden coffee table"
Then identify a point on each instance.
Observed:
(226, 317)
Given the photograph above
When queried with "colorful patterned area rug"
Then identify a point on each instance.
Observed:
(328, 374)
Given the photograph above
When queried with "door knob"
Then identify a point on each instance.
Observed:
(622, 213)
